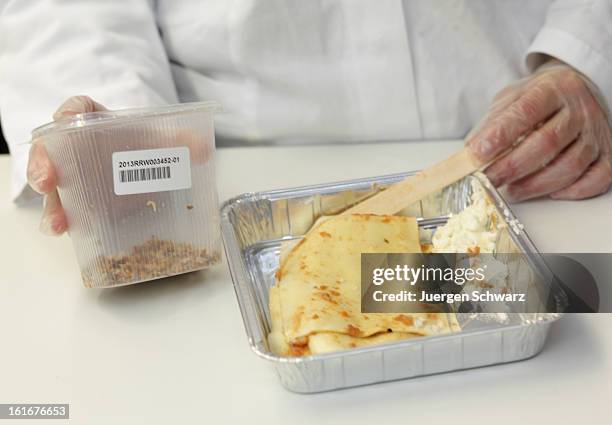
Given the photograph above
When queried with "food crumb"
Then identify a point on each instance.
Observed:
(473, 250)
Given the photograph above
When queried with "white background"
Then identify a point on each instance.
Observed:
(175, 351)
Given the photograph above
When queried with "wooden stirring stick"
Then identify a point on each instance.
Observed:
(414, 188)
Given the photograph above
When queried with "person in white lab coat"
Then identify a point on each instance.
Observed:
(298, 71)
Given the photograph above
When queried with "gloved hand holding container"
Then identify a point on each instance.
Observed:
(138, 190)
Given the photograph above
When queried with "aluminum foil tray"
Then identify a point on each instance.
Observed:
(255, 225)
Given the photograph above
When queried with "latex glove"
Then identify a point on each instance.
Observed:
(41, 174)
(566, 151)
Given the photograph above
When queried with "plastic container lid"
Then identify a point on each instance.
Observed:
(98, 119)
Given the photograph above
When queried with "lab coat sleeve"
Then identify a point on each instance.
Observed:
(578, 33)
(50, 50)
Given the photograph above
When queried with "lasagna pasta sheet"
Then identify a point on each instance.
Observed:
(315, 304)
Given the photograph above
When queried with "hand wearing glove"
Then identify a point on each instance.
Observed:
(41, 174)
(562, 135)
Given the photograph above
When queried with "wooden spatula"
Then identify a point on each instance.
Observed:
(414, 188)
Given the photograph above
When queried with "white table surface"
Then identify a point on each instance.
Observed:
(175, 351)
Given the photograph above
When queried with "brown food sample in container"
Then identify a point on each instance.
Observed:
(151, 260)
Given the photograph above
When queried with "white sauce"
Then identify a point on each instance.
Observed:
(470, 228)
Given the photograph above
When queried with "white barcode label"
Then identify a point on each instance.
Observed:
(151, 170)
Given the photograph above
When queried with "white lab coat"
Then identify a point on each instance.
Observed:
(290, 70)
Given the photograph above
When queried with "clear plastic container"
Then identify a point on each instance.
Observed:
(138, 187)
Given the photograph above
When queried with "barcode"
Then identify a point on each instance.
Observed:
(144, 174)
